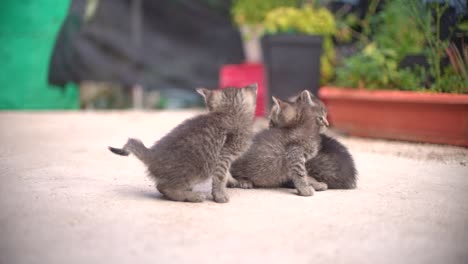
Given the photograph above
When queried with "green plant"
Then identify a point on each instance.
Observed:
(450, 82)
(310, 21)
(455, 78)
(349, 25)
(345, 25)
(458, 59)
(376, 68)
(402, 28)
(252, 12)
(396, 29)
(451, 79)
(305, 20)
(429, 24)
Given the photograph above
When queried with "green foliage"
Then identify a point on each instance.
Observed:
(375, 68)
(398, 30)
(455, 78)
(402, 28)
(459, 59)
(310, 21)
(395, 34)
(306, 20)
(451, 82)
(426, 23)
(252, 12)
(463, 25)
(411, 79)
(349, 25)
(345, 28)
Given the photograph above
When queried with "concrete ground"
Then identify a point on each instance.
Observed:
(64, 198)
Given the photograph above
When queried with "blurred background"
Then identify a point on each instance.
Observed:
(123, 54)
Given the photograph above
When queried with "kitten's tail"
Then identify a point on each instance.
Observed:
(134, 146)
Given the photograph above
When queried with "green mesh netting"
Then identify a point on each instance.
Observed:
(27, 35)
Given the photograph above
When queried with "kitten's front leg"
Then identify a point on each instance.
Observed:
(234, 146)
(297, 171)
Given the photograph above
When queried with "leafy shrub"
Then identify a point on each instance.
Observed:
(450, 82)
(375, 68)
(252, 12)
(306, 20)
(398, 30)
(403, 28)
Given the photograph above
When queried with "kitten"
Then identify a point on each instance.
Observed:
(201, 147)
(333, 164)
(278, 155)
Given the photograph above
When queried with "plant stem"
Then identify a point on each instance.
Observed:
(438, 44)
(365, 24)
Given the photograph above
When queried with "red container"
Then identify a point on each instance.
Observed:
(413, 116)
(238, 75)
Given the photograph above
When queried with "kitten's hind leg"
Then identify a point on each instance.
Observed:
(231, 181)
(318, 186)
(220, 179)
(245, 184)
(180, 193)
(239, 183)
(219, 187)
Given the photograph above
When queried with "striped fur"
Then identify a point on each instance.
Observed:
(333, 165)
(278, 155)
(202, 147)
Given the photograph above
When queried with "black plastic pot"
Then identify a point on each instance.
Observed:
(410, 61)
(292, 64)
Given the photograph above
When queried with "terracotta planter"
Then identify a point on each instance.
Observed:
(413, 116)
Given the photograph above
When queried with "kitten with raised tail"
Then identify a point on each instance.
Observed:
(334, 164)
(202, 147)
(278, 155)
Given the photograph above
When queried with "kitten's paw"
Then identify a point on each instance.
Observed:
(232, 183)
(220, 197)
(320, 186)
(196, 198)
(308, 191)
(245, 184)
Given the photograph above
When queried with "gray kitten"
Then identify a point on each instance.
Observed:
(278, 155)
(333, 164)
(201, 147)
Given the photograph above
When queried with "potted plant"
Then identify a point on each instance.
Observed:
(381, 99)
(297, 49)
(248, 16)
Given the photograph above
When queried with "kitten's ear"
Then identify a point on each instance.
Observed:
(306, 97)
(277, 105)
(252, 87)
(204, 92)
(276, 102)
(275, 110)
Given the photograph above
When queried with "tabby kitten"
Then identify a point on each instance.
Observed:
(278, 155)
(201, 147)
(333, 164)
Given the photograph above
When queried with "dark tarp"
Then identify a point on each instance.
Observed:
(180, 43)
